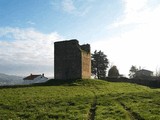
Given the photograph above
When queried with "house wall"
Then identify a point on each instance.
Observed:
(39, 79)
(69, 59)
(143, 73)
(86, 64)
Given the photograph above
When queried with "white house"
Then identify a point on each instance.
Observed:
(143, 73)
(35, 79)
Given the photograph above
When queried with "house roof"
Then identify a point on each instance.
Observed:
(31, 77)
(143, 70)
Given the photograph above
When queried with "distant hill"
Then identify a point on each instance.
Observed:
(10, 79)
(6, 80)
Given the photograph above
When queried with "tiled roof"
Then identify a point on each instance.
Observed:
(145, 71)
(31, 77)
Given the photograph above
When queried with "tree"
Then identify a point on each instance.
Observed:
(113, 72)
(99, 64)
(132, 71)
(157, 73)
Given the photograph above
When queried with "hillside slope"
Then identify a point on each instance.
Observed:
(81, 99)
(10, 79)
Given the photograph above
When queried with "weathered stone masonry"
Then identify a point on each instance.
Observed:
(72, 61)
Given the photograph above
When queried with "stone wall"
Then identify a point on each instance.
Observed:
(71, 61)
(86, 64)
(147, 82)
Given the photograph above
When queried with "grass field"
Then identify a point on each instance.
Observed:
(80, 100)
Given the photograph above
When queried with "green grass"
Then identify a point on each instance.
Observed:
(73, 101)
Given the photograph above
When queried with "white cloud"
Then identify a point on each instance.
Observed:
(30, 22)
(81, 9)
(27, 47)
(134, 5)
(138, 46)
(68, 6)
(135, 12)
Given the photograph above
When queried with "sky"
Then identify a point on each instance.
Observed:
(127, 31)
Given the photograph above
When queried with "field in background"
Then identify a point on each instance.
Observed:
(81, 99)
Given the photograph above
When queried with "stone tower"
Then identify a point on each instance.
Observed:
(71, 60)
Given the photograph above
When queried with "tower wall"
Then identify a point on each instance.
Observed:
(86, 61)
(71, 61)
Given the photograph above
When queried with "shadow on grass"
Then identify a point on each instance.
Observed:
(51, 82)
(152, 83)
(55, 82)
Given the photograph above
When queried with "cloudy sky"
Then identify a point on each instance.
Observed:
(127, 31)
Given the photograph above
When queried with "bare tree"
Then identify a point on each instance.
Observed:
(157, 73)
(132, 71)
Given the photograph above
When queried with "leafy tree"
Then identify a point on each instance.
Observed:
(132, 71)
(113, 72)
(99, 64)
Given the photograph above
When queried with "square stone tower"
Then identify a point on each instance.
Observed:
(71, 60)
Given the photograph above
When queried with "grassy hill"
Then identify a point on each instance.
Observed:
(80, 99)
